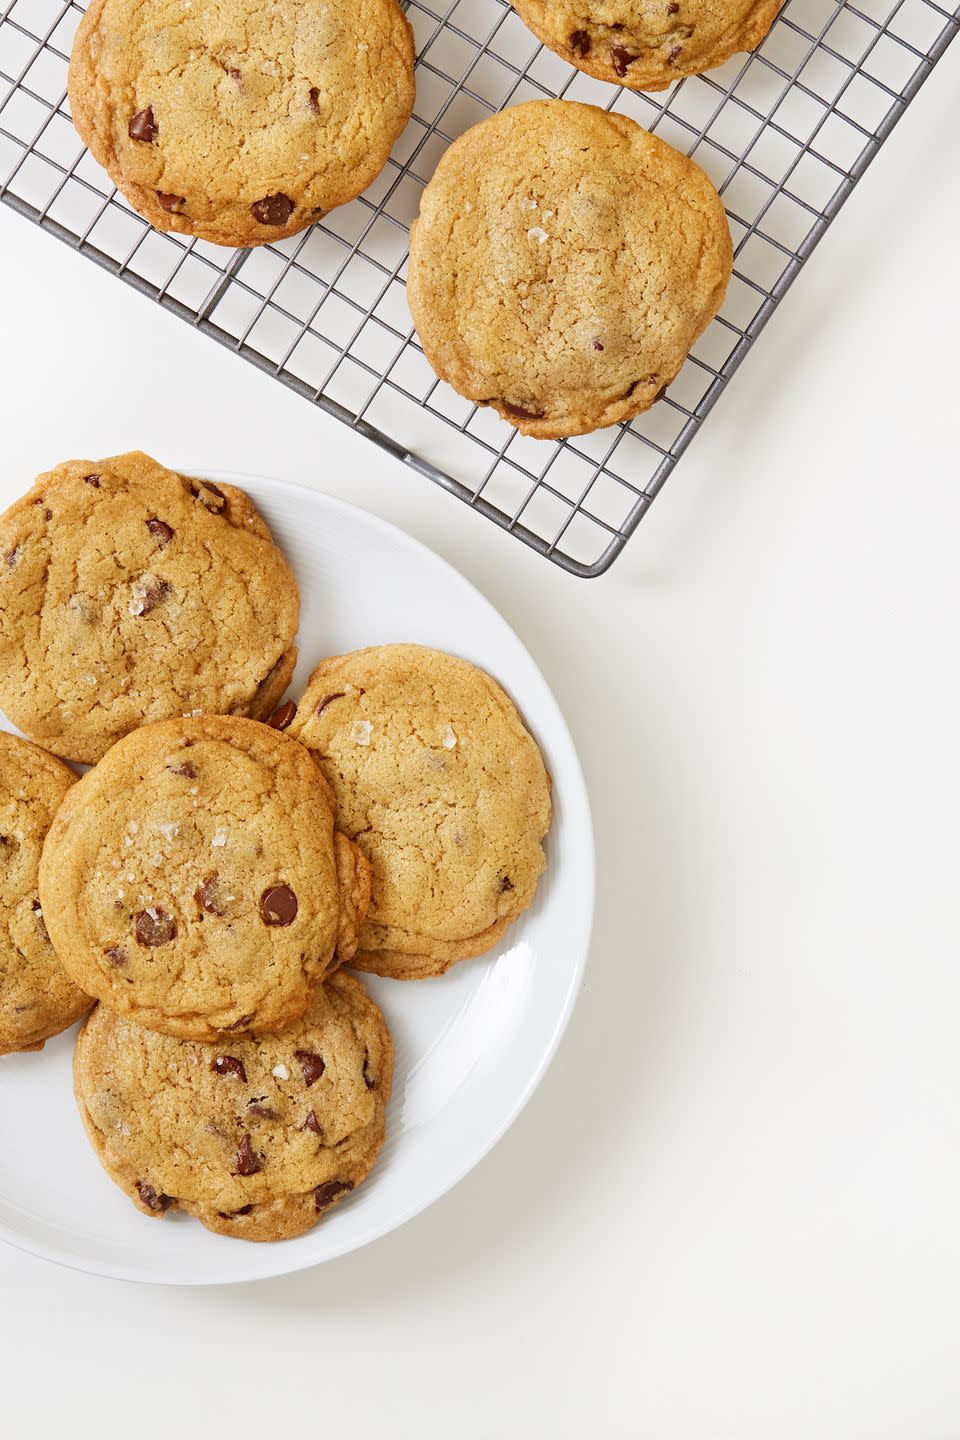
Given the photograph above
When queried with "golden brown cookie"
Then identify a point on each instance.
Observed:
(442, 787)
(563, 264)
(37, 999)
(241, 123)
(257, 1137)
(129, 593)
(647, 44)
(194, 881)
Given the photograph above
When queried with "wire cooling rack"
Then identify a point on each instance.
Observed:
(784, 134)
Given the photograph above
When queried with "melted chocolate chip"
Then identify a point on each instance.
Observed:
(232, 1214)
(170, 202)
(273, 209)
(324, 1194)
(161, 531)
(152, 595)
(208, 896)
(673, 8)
(312, 1123)
(580, 43)
(248, 1161)
(311, 1065)
(13, 556)
(674, 53)
(143, 127)
(329, 699)
(368, 1079)
(283, 715)
(597, 344)
(519, 413)
(116, 955)
(41, 925)
(234, 74)
(153, 1201)
(505, 884)
(621, 59)
(186, 770)
(659, 395)
(278, 905)
(93, 480)
(154, 927)
(315, 100)
(257, 1107)
(228, 1065)
(209, 495)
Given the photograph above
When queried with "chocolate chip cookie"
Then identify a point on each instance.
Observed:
(241, 123)
(194, 880)
(257, 1137)
(563, 264)
(129, 593)
(442, 787)
(37, 999)
(647, 44)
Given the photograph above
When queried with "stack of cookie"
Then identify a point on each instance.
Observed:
(199, 888)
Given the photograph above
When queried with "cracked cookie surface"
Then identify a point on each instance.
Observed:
(647, 44)
(194, 880)
(257, 1137)
(444, 790)
(128, 594)
(241, 123)
(563, 263)
(37, 998)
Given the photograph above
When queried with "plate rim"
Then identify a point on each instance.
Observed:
(297, 1261)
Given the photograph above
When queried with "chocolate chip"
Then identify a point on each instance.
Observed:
(170, 202)
(208, 896)
(143, 127)
(257, 1107)
(315, 100)
(13, 557)
(241, 1023)
(116, 955)
(151, 595)
(93, 480)
(519, 413)
(154, 927)
(186, 770)
(324, 1194)
(228, 1065)
(597, 344)
(312, 1123)
(273, 209)
(161, 530)
(248, 1161)
(234, 74)
(505, 884)
(232, 1214)
(674, 53)
(209, 495)
(622, 59)
(278, 905)
(311, 1065)
(150, 1198)
(40, 921)
(673, 8)
(283, 715)
(329, 699)
(659, 395)
(580, 43)
(368, 1079)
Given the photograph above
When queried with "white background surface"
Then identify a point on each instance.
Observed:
(732, 1208)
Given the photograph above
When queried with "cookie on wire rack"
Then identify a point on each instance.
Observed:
(246, 122)
(562, 265)
(647, 44)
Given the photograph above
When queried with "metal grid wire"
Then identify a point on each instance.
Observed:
(784, 134)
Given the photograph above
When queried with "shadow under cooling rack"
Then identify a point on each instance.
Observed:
(784, 133)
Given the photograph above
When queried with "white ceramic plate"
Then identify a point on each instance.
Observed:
(471, 1047)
